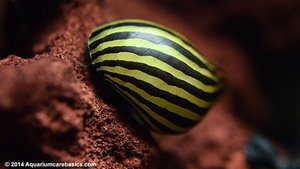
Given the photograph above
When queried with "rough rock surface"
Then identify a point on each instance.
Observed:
(50, 108)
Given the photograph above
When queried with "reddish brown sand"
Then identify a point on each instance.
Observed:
(53, 110)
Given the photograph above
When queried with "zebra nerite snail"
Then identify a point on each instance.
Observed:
(167, 82)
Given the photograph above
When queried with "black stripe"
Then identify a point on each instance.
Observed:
(157, 124)
(167, 78)
(154, 91)
(152, 38)
(170, 116)
(137, 24)
(136, 106)
(160, 126)
(175, 63)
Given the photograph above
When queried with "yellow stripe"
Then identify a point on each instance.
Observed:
(158, 83)
(141, 21)
(117, 89)
(160, 119)
(151, 61)
(149, 30)
(158, 101)
(162, 48)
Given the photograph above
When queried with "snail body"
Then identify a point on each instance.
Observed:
(167, 82)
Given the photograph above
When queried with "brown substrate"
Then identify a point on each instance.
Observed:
(50, 108)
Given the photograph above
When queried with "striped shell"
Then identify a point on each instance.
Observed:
(168, 83)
